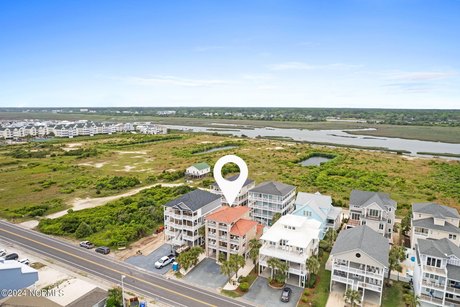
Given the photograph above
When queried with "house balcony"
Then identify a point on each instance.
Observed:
(430, 299)
(435, 285)
(369, 272)
(180, 216)
(423, 234)
(354, 222)
(451, 302)
(434, 270)
(286, 255)
(453, 290)
(374, 218)
(370, 286)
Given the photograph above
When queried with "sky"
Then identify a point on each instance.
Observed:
(348, 53)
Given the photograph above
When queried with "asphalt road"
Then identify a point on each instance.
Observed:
(171, 292)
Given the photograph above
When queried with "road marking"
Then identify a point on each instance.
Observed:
(121, 264)
(110, 269)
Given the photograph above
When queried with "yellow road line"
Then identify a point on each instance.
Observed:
(110, 269)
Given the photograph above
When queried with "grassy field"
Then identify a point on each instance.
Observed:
(393, 296)
(426, 133)
(32, 181)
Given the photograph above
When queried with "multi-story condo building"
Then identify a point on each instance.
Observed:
(437, 272)
(269, 198)
(242, 198)
(374, 209)
(359, 260)
(228, 231)
(184, 216)
(16, 276)
(433, 221)
(292, 239)
(318, 207)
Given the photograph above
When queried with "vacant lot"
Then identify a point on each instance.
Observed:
(105, 167)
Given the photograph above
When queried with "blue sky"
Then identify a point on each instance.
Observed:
(361, 53)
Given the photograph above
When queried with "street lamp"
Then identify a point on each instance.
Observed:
(123, 290)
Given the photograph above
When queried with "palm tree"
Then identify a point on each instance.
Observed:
(238, 262)
(397, 255)
(352, 297)
(227, 268)
(254, 247)
(279, 269)
(273, 264)
(411, 299)
(313, 265)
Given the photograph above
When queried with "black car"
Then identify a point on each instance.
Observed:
(12, 256)
(286, 294)
(103, 250)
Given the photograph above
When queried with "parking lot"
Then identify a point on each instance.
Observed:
(263, 295)
(207, 273)
(148, 261)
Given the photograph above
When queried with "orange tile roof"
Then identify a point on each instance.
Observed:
(242, 227)
(260, 230)
(228, 214)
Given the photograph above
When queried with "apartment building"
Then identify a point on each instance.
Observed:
(228, 231)
(359, 259)
(374, 209)
(242, 198)
(269, 198)
(184, 216)
(437, 272)
(434, 221)
(318, 207)
(292, 239)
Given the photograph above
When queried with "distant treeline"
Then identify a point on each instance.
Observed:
(383, 116)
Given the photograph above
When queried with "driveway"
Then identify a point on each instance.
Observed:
(207, 273)
(148, 261)
(263, 295)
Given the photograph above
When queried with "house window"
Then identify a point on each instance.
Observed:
(373, 212)
(363, 223)
(381, 226)
(283, 242)
(389, 221)
(307, 213)
(433, 262)
(452, 236)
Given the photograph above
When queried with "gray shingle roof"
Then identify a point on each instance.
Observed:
(365, 239)
(193, 200)
(429, 223)
(435, 209)
(438, 248)
(233, 178)
(273, 188)
(364, 198)
(453, 272)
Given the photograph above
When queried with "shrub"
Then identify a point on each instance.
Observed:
(83, 230)
(244, 286)
(311, 281)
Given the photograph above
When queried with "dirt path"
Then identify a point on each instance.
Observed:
(85, 203)
(146, 245)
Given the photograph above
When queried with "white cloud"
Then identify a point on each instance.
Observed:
(257, 77)
(420, 75)
(305, 66)
(172, 80)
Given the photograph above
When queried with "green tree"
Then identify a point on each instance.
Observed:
(313, 265)
(83, 230)
(195, 253)
(396, 256)
(279, 269)
(328, 242)
(275, 217)
(114, 298)
(352, 297)
(184, 260)
(405, 224)
(411, 299)
(254, 247)
(238, 262)
(227, 268)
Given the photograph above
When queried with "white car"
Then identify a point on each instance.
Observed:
(2, 252)
(24, 261)
(164, 261)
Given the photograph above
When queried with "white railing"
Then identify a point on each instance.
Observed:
(342, 279)
(356, 271)
(431, 284)
(369, 286)
(431, 299)
(435, 270)
(453, 290)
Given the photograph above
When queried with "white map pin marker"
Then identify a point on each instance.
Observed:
(230, 189)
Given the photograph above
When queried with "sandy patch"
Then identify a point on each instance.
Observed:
(205, 142)
(275, 148)
(143, 152)
(128, 168)
(145, 245)
(96, 165)
(72, 146)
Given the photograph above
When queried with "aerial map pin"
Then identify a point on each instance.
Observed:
(230, 189)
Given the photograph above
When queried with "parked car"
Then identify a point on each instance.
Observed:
(286, 294)
(12, 256)
(103, 250)
(86, 244)
(164, 261)
(25, 261)
(2, 252)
